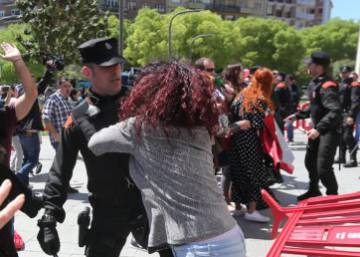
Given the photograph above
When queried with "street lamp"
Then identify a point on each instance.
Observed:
(193, 40)
(170, 24)
(357, 66)
(121, 26)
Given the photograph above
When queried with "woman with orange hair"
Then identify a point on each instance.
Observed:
(248, 172)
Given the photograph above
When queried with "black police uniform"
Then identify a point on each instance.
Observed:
(325, 112)
(282, 100)
(350, 102)
(116, 202)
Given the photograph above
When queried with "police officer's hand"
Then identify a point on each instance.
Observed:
(48, 236)
(349, 121)
(313, 134)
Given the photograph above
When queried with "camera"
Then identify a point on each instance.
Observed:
(58, 61)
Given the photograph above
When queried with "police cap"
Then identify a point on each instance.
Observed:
(101, 51)
(320, 58)
(345, 69)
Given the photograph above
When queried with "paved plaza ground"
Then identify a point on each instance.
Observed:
(257, 235)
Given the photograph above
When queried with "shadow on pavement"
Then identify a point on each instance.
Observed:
(256, 230)
(79, 196)
(291, 183)
(40, 178)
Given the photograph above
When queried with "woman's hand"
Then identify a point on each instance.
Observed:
(244, 124)
(11, 53)
(9, 211)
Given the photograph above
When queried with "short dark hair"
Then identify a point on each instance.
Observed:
(62, 80)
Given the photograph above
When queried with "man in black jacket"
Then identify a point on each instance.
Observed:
(323, 138)
(350, 103)
(116, 202)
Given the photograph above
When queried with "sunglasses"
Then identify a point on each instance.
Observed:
(210, 69)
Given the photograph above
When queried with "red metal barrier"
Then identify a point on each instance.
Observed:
(310, 226)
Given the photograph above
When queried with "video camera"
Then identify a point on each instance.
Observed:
(58, 61)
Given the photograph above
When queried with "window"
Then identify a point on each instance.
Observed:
(2, 13)
(15, 12)
(131, 5)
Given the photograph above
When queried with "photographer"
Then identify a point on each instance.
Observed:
(29, 127)
(9, 115)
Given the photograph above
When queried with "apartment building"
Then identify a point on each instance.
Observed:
(228, 9)
(8, 13)
(300, 13)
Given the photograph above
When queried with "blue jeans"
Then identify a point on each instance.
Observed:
(290, 131)
(231, 244)
(31, 147)
(357, 128)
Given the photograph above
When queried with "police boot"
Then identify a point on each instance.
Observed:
(309, 193)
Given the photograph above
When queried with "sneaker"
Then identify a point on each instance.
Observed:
(38, 168)
(18, 241)
(308, 194)
(257, 217)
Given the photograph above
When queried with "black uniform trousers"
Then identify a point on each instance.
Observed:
(110, 229)
(319, 159)
(347, 142)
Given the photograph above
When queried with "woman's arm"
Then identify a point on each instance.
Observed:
(118, 138)
(24, 103)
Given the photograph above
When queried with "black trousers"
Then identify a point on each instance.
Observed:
(347, 142)
(109, 231)
(319, 159)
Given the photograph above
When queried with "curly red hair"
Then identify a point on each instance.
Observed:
(171, 95)
(260, 88)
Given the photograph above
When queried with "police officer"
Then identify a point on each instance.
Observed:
(323, 138)
(350, 102)
(282, 100)
(116, 202)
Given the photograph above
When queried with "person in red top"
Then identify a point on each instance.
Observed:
(9, 116)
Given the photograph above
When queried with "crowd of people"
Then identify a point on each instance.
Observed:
(152, 155)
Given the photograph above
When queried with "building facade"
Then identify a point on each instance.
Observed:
(9, 13)
(300, 13)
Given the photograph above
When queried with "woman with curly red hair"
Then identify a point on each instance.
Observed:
(248, 172)
(168, 120)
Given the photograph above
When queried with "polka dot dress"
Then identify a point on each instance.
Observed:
(248, 172)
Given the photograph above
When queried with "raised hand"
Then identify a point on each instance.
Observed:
(11, 52)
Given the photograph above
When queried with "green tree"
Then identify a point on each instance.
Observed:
(11, 34)
(148, 39)
(337, 37)
(267, 42)
(59, 27)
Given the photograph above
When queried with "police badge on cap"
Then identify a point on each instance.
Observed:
(101, 51)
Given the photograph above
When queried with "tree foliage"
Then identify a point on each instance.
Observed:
(59, 27)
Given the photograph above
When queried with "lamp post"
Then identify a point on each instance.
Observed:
(170, 25)
(121, 26)
(357, 66)
(193, 40)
